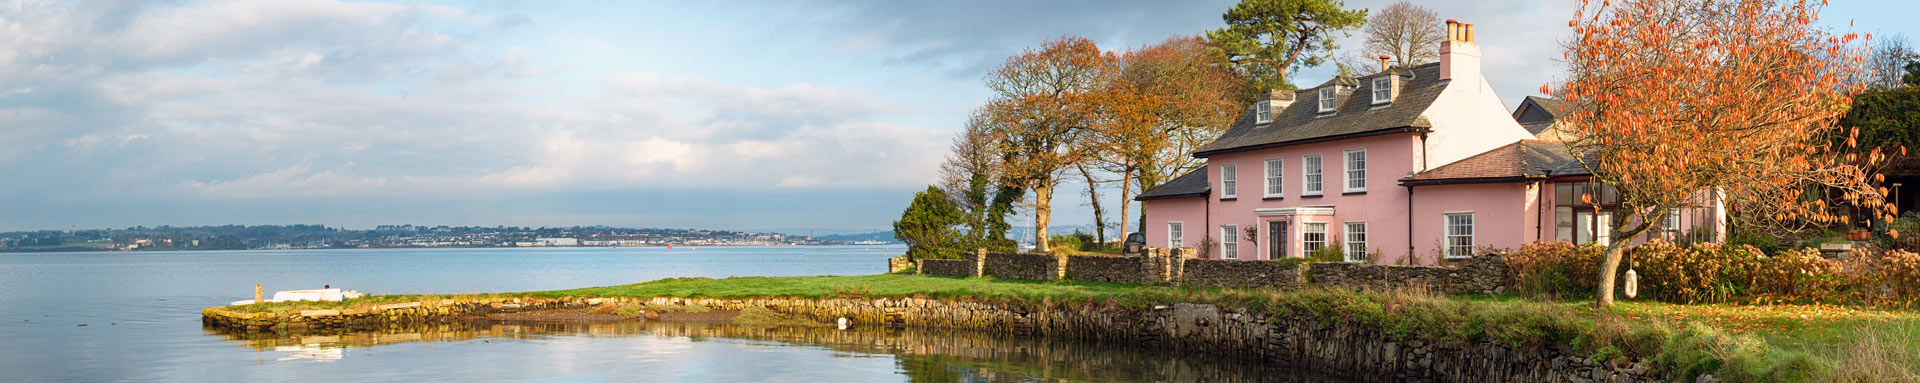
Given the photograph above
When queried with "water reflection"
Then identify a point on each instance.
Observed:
(921, 355)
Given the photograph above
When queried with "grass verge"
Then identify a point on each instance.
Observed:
(1734, 343)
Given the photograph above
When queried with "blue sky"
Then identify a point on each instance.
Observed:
(713, 114)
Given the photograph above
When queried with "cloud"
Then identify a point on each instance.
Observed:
(314, 99)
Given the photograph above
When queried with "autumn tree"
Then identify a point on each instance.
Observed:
(1040, 108)
(984, 199)
(1408, 34)
(1168, 100)
(1265, 39)
(1681, 99)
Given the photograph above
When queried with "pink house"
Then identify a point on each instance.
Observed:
(1409, 165)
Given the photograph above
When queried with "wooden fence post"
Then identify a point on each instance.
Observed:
(258, 294)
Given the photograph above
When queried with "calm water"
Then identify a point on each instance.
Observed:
(141, 317)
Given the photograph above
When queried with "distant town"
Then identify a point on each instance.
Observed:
(238, 237)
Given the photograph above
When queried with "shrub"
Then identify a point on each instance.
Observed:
(1716, 273)
(1330, 253)
(929, 226)
(1554, 269)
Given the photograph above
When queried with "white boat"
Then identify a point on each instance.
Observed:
(316, 295)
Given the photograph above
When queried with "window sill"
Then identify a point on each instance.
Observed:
(1353, 192)
(1229, 198)
(1310, 196)
(1273, 197)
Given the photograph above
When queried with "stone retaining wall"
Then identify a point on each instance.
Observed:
(952, 267)
(1230, 273)
(1029, 266)
(1298, 339)
(1114, 269)
(1485, 274)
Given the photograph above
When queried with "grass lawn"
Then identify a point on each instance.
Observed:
(1736, 343)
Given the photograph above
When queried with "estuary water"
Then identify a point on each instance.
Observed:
(134, 316)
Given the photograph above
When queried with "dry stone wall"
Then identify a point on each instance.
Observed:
(1114, 269)
(1485, 274)
(1029, 266)
(1231, 273)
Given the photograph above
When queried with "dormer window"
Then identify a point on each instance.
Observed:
(1383, 90)
(1326, 99)
(1263, 112)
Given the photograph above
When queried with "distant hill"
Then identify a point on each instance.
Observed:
(882, 236)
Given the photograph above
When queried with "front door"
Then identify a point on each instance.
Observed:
(1277, 239)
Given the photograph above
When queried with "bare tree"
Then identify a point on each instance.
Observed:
(1888, 63)
(1409, 34)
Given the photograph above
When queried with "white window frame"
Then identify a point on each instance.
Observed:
(1229, 181)
(1382, 90)
(1326, 99)
(1449, 248)
(1356, 241)
(1230, 246)
(1175, 230)
(1276, 178)
(1263, 112)
(1355, 174)
(1311, 176)
(1307, 229)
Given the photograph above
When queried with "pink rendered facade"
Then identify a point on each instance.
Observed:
(1436, 170)
(1186, 215)
(1282, 222)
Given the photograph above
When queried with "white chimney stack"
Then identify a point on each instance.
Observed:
(1459, 56)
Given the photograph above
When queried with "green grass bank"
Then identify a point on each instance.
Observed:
(1783, 343)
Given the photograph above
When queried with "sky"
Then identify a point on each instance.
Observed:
(699, 114)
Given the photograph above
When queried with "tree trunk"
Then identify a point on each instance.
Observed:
(1099, 215)
(1126, 188)
(1042, 214)
(1615, 250)
(1617, 240)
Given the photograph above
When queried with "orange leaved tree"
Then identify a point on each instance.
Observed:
(1681, 99)
(1042, 102)
(1168, 100)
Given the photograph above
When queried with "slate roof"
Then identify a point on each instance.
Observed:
(1536, 127)
(1554, 107)
(1355, 116)
(1192, 184)
(1518, 161)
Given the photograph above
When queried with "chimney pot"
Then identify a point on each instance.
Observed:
(1383, 62)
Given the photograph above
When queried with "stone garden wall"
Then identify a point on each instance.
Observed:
(1115, 269)
(1485, 274)
(1029, 266)
(1231, 273)
(950, 267)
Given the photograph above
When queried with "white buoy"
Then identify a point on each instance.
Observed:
(1633, 283)
(843, 323)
